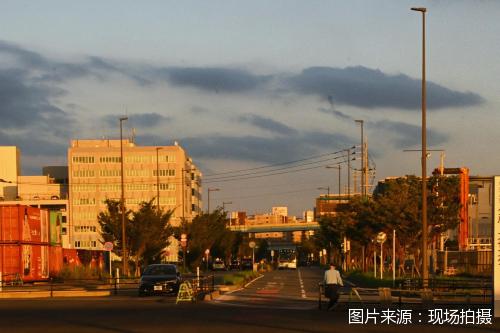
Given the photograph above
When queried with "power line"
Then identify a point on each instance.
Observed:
(273, 165)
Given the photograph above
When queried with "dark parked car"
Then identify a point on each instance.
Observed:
(159, 279)
(246, 263)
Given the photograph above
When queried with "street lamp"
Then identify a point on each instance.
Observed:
(325, 188)
(425, 268)
(363, 170)
(211, 190)
(183, 192)
(158, 179)
(339, 168)
(124, 233)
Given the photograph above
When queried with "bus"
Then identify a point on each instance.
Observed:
(287, 258)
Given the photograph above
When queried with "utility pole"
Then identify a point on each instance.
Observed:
(425, 259)
(363, 169)
(124, 232)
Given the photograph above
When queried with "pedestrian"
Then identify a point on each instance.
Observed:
(332, 283)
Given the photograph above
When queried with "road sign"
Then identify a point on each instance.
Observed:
(207, 251)
(381, 237)
(183, 242)
(183, 237)
(108, 246)
(252, 244)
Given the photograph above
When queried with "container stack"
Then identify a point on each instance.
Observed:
(24, 243)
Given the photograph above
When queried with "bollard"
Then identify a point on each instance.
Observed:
(319, 298)
(117, 281)
(198, 277)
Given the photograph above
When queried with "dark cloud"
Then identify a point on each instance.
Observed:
(214, 79)
(404, 135)
(254, 148)
(368, 88)
(267, 124)
(24, 104)
(138, 119)
(30, 144)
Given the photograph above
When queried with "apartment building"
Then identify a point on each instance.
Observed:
(150, 172)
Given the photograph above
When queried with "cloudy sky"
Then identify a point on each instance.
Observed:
(247, 84)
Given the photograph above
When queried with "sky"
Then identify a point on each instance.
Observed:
(244, 85)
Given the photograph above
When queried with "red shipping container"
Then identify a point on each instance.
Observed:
(23, 224)
(27, 262)
(55, 260)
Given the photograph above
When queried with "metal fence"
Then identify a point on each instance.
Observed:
(92, 287)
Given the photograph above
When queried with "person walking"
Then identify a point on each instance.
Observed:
(332, 283)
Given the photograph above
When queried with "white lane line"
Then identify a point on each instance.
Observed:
(302, 291)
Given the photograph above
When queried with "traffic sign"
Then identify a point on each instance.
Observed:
(108, 246)
(252, 244)
(183, 237)
(207, 251)
(381, 237)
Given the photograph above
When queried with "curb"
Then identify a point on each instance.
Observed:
(55, 293)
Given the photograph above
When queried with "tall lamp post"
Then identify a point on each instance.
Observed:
(339, 168)
(158, 179)
(183, 192)
(210, 190)
(124, 233)
(363, 169)
(425, 259)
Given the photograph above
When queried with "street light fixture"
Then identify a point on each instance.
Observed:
(325, 188)
(425, 268)
(339, 168)
(124, 233)
(158, 179)
(210, 190)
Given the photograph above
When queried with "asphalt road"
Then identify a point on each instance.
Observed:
(274, 303)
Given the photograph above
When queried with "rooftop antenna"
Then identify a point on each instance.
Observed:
(132, 139)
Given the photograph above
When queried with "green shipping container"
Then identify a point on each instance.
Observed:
(55, 227)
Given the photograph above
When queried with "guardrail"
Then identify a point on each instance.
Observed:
(93, 287)
(439, 291)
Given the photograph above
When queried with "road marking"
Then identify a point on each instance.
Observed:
(302, 291)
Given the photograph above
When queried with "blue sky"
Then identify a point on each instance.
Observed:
(246, 84)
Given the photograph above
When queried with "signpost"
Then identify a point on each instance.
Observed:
(184, 246)
(381, 238)
(252, 246)
(108, 246)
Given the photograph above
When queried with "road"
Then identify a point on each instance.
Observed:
(277, 302)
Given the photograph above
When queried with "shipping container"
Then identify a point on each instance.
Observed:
(25, 262)
(81, 257)
(55, 260)
(23, 224)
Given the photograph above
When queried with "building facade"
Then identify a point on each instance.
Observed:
(95, 176)
(10, 169)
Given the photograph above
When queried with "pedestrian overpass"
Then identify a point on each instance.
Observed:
(281, 227)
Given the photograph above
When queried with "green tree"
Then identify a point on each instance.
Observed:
(147, 231)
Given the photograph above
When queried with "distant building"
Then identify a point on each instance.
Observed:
(237, 218)
(281, 211)
(95, 176)
(10, 169)
(328, 204)
(308, 216)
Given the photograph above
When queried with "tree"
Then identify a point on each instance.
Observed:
(147, 231)
(209, 231)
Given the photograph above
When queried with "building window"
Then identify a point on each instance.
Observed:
(110, 159)
(164, 172)
(84, 201)
(83, 159)
(165, 187)
(110, 173)
(137, 172)
(83, 173)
